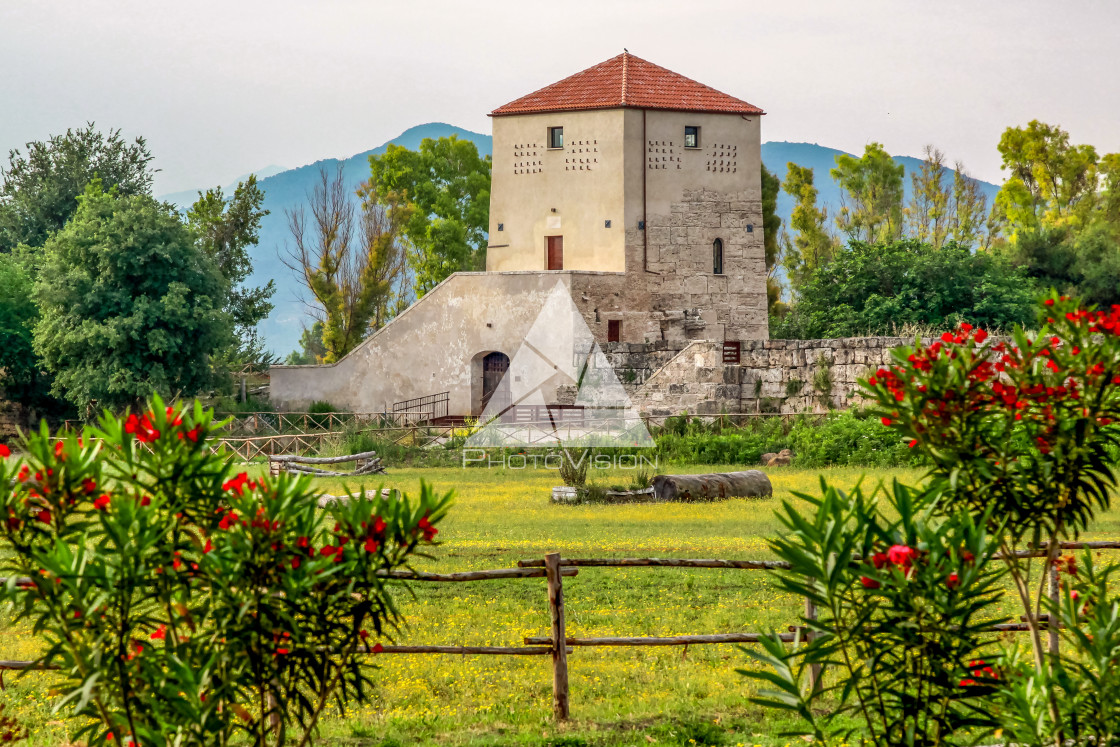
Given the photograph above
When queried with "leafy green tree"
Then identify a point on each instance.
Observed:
(447, 186)
(351, 261)
(311, 347)
(22, 378)
(226, 229)
(812, 245)
(877, 289)
(130, 304)
(41, 188)
(771, 228)
(871, 208)
(1053, 183)
(1085, 263)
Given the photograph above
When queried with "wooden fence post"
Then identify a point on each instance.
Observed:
(559, 637)
(814, 669)
(1052, 619)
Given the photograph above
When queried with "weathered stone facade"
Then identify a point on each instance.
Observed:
(689, 301)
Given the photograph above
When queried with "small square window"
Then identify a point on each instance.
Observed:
(692, 137)
(555, 137)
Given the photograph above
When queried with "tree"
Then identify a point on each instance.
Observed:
(22, 378)
(446, 184)
(871, 202)
(40, 190)
(311, 347)
(350, 258)
(876, 289)
(941, 210)
(1085, 264)
(226, 229)
(771, 228)
(130, 304)
(1053, 183)
(812, 245)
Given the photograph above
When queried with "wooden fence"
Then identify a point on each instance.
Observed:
(558, 645)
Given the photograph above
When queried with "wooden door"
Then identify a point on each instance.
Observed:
(494, 386)
(555, 246)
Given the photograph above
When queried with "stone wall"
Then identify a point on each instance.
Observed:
(777, 376)
(689, 301)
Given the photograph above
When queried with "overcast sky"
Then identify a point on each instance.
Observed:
(223, 88)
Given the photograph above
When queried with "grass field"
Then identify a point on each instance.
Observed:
(619, 696)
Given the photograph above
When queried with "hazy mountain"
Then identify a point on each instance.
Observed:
(777, 155)
(288, 189)
(185, 199)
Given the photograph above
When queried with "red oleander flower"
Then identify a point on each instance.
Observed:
(228, 520)
(869, 583)
(329, 550)
(160, 634)
(953, 581)
(295, 562)
(378, 525)
(879, 560)
(426, 527)
(102, 502)
(141, 427)
(59, 447)
(282, 652)
(44, 516)
(372, 545)
(377, 649)
(901, 555)
(208, 546)
(24, 473)
(5, 452)
(146, 500)
(239, 483)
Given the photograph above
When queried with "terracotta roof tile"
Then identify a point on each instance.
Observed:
(627, 81)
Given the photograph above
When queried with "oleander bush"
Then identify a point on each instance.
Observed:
(184, 603)
(1021, 437)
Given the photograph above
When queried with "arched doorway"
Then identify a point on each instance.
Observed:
(494, 384)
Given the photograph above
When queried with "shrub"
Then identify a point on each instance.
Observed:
(904, 612)
(840, 439)
(184, 604)
(1085, 679)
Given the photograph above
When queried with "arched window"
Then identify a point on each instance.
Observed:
(717, 256)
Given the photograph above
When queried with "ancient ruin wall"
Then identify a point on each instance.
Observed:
(773, 376)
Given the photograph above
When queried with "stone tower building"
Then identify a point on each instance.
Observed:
(630, 168)
(636, 189)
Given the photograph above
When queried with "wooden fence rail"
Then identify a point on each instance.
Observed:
(558, 644)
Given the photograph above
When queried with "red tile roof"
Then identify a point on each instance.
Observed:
(627, 81)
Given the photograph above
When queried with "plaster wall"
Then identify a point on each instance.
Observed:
(571, 192)
(437, 344)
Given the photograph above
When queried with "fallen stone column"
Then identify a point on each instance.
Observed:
(749, 484)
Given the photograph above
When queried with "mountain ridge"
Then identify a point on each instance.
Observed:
(289, 188)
